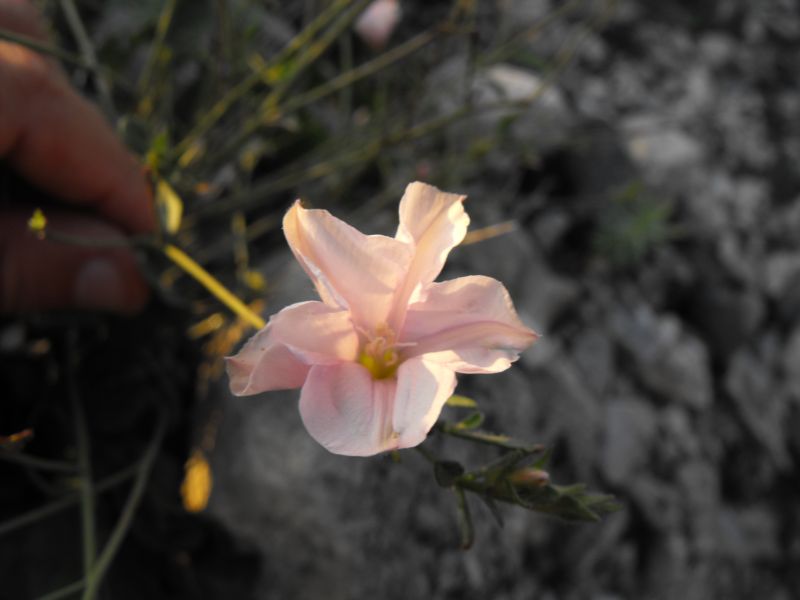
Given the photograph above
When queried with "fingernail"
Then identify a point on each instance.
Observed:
(100, 285)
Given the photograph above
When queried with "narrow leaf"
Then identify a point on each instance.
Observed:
(464, 519)
(473, 421)
(461, 402)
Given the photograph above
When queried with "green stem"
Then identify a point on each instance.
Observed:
(312, 52)
(64, 592)
(464, 518)
(482, 437)
(162, 27)
(255, 195)
(35, 462)
(42, 48)
(67, 57)
(426, 454)
(210, 118)
(37, 514)
(511, 45)
(89, 55)
(95, 577)
(365, 70)
(84, 460)
(270, 109)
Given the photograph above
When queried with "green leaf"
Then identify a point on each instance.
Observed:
(571, 503)
(542, 461)
(473, 421)
(464, 519)
(492, 505)
(461, 402)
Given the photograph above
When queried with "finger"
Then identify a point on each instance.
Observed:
(60, 142)
(44, 275)
(21, 17)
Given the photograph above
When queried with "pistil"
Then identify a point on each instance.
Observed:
(379, 354)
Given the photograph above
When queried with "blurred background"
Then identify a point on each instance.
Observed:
(631, 168)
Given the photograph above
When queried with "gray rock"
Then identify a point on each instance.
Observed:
(699, 484)
(542, 120)
(747, 534)
(750, 202)
(594, 355)
(662, 151)
(539, 294)
(762, 410)
(721, 202)
(781, 270)
(658, 500)
(791, 359)
(629, 435)
(726, 316)
(668, 568)
(518, 14)
(740, 116)
(670, 361)
(573, 411)
(678, 440)
(550, 226)
(717, 49)
(742, 258)
(595, 101)
(784, 222)
(515, 110)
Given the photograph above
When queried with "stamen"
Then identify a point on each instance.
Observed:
(379, 354)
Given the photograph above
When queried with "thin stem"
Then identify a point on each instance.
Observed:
(270, 110)
(84, 461)
(162, 27)
(42, 48)
(210, 118)
(360, 72)
(491, 439)
(508, 47)
(37, 514)
(77, 240)
(255, 195)
(208, 281)
(64, 55)
(35, 462)
(64, 592)
(95, 577)
(426, 454)
(464, 518)
(311, 53)
(89, 56)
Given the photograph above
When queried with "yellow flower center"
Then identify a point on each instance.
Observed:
(379, 355)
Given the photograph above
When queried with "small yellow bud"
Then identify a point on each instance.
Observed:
(37, 224)
(197, 482)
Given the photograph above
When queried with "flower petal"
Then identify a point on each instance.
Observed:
(347, 411)
(468, 324)
(423, 387)
(433, 222)
(278, 356)
(350, 270)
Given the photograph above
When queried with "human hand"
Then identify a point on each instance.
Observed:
(60, 143)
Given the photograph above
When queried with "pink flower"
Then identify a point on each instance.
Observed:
(377, 357)
(377, 22)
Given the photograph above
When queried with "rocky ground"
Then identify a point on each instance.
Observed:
(655, 194)
(655, 188)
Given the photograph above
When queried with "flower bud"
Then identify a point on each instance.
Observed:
(377, 22)
(529, 477)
